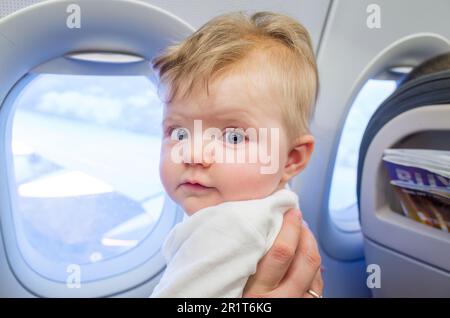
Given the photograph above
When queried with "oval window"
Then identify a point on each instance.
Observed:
(342, 202)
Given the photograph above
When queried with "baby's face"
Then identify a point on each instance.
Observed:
(202, 176)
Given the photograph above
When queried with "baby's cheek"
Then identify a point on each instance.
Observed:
(167, 170)
(246, 182)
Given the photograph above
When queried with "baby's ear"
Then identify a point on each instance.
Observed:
(298, 156)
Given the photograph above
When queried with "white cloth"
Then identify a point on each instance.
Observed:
(213, 252)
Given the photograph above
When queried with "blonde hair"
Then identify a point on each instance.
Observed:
(226, 40)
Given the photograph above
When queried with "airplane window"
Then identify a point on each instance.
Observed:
(85, 155)
(343, 201)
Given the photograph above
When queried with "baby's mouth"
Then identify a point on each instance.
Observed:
(193, 186)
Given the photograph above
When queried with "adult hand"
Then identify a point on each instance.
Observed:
(291, 267)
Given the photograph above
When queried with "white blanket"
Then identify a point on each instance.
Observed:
(213, 252)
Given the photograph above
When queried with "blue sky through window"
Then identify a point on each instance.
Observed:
(86, 156)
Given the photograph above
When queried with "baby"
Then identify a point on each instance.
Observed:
(238, 96)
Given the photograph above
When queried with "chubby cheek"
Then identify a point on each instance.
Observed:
(247, 182)
(168, 171)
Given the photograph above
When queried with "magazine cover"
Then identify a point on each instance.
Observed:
(421, 182)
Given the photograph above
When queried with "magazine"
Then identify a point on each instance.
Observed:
(421, 181)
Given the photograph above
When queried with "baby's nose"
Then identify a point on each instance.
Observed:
(201, 153)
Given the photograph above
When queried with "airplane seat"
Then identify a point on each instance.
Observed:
(416, 115)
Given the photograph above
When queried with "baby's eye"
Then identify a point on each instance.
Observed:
(179, 133)
(234, 136)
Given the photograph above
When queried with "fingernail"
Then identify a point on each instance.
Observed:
(300, 215)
